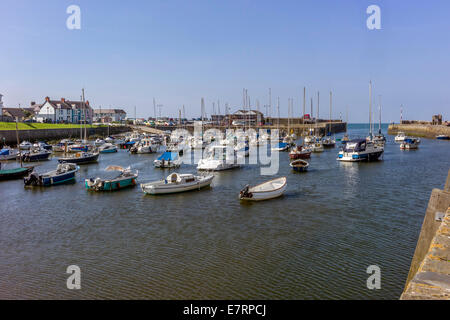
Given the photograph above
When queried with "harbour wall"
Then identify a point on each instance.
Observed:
(429, 274)
(419, 130)
(320, 128)
(9, 136)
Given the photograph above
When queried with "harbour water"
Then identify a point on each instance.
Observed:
(315, 242)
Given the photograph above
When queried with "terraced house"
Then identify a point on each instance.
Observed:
(64, 111)
(109, 115)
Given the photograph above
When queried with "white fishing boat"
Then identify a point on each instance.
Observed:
(400, 137)
(99, 142)
(176, 182)
(316, 146)
(360, 150)
(107, 148)
(264, 191)
(410, 143)
(218, 161)
(8, 154)
(25, 145)
(145, 145)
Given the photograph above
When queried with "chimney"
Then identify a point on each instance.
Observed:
(63, 100)
(47, 98)
(87, 102)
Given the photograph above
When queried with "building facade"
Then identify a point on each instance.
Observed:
(64, 111)
(109, 115)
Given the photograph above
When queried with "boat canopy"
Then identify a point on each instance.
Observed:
(410, 140)
(168, 156)
(4, 152)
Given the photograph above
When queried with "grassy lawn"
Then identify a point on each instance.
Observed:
(33, 126)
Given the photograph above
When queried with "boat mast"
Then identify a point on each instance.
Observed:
(346, 119)
(370, 109)
(18, 141)
(318, 102)
(331, 96)
(278, 112)
(310, 127)
(84, 109)
(379, 111)
(270, 103)
(81, 122)
(289, 115)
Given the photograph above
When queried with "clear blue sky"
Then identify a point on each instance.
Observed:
(128, 52)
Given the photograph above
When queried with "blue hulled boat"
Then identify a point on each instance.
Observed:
(64, 172)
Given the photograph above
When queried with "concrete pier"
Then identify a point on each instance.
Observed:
(429, 274)
(419, 130)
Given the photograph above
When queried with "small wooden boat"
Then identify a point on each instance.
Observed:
(64, 172)
(126, 178)
(168, 160)
(299, 165)
(35, 155)
(8, 154)
(264, 191)
(15, 173)
(443, 137)
(81, 158)
(300, 152)
(175, 183)
(107, 148)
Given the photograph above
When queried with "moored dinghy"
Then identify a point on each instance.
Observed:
(126, 178)
(299, 165)
(64, 172)
(175, 183)
(264, 191)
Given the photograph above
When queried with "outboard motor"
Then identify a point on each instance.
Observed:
(244, 192)
(32, 179)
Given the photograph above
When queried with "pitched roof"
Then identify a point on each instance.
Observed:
(100, 111)
(18, 112)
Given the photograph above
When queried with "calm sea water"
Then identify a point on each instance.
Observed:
(315, 242)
